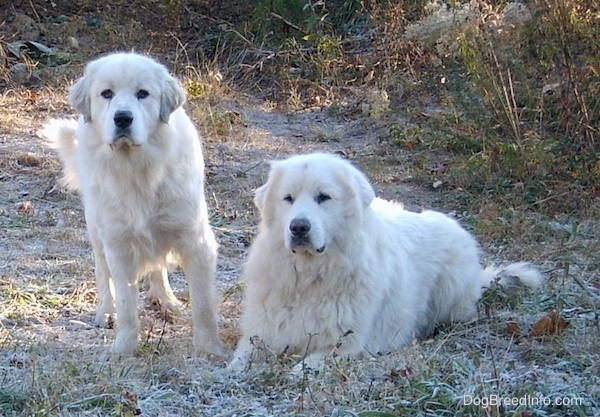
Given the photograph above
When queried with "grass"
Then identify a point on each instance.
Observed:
(502, 122)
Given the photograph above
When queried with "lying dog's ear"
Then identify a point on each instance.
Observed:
(172, 97)
(79, 97)
(366, 194)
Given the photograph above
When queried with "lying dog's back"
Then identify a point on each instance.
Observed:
(435, 271)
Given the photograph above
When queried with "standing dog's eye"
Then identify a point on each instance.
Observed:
(288, 198)
(141, 94)
(107, 94)
(322, 197)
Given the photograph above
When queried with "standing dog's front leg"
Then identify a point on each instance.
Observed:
(105, 291)
(199, 263)
(124, 275)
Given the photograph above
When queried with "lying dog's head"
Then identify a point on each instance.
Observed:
(125, 96)
(314, 201)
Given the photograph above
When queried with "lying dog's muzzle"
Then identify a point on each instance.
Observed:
(300, 236)
(300, 228)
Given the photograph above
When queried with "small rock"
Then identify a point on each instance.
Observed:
(20, 73)
(25, 27)
(515, 13)
(73, 42)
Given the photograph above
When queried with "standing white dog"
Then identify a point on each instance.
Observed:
(137, 160)
(334, 268)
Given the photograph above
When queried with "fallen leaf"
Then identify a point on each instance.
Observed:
(25, 207)
(403, 373)
(130, 402)
(28, 160)
(549, 325)
(18, 361)
(512, 328)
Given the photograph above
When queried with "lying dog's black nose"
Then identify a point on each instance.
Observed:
(123, 119)
(299, 227)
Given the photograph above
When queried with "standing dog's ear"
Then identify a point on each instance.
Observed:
(80, 92)
(260, 197)
(79, 97)
(171, 98)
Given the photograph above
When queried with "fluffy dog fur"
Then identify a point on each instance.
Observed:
(333, 267)
(136, 159)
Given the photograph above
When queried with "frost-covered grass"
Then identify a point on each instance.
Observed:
(53, 360)
(408, 93)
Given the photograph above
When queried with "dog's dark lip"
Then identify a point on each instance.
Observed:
(308, 249)
(121, 137)
(118, 147)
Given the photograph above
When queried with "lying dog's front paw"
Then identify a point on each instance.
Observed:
(213, 350)
(239, 363)
(311, 364)
(124, 346)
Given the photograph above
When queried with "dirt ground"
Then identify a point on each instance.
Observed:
(53, 359)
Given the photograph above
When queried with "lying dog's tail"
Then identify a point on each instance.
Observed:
(513, 275)
(60, 134)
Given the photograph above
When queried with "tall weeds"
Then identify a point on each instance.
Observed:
(530, 86)
(541, 84)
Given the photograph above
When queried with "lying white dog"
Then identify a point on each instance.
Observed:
(136, 158)
(334, 268)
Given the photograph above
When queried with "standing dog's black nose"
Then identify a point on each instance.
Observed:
(123, 119)
(299, 227)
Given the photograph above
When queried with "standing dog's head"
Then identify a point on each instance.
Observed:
(313, 202)
(125, 96)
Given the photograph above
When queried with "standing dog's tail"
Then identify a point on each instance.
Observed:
(60, 134)
(513, 275)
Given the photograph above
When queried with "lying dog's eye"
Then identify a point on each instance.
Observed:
(141, 94)
(322, 197)
(288, 198)
(107, 94)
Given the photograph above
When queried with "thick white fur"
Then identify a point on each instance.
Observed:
(370, 277)
(142, 190)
